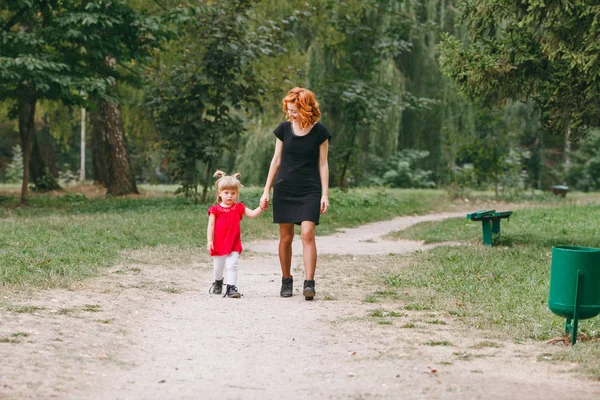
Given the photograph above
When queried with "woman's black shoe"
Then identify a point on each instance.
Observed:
(287, 286)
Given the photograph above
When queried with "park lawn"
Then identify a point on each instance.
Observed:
(502, 288)
(60, 239)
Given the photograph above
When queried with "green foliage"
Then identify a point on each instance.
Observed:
(66, 175)
(44, 182)
(199, 104)
(64, 50)
(373, 65)
(401, 171)
(14, 171)
(347, 60)
(584, 174)
(46, 48)
(543, 50)
(494, 158)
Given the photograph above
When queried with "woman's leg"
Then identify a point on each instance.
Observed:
(286, 235)
(309, 248)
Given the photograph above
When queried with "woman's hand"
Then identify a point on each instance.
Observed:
(264, 201)
(209, 246)
(324, 204)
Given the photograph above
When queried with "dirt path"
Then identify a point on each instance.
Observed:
(148, 329)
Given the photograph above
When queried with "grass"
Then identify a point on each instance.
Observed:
(486, 344)
(438, 343)
(380, 313)
(92, 307)
(503, 288)
(60, 239)
(24, 309)
(586, 357)
(492, 287)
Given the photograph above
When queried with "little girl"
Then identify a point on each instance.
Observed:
(223, 237)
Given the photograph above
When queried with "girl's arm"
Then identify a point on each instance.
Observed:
(210, 232)
(324, 173)
(253, 213)
(273, 168)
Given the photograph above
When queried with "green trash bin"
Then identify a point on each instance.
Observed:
(574, 285)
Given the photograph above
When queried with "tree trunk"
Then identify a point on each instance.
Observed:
(26, 132)
(109, 136)
(98, 149)
(342, 182)
(40, 174)
(567, 154)
(82, 148)
(206, 184)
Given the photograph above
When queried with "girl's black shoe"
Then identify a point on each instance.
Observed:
(232, 292)
(216, 288)
(309, 289)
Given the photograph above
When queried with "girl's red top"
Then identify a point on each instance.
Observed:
(227, 236)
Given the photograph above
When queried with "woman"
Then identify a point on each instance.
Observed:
(299, 175)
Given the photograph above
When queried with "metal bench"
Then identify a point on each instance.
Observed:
(560, 190)
(490, 223)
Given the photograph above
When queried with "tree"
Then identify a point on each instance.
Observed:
(14, 171)
(542, 50)
(199, 103)
(56, 49)
(352, 70)
(31, 67)
(110, 150)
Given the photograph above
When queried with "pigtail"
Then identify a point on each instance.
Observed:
(237, 176)
(218, 173)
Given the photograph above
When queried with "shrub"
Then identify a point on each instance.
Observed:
(14, 171)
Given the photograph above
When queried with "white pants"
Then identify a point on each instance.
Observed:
(228, 262)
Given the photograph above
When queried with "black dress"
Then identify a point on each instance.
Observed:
(297, 187)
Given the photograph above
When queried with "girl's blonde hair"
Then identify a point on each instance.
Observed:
(307, 104)
(226, 182)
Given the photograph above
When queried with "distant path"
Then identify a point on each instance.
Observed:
(364, 240)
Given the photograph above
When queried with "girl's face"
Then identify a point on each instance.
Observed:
(228, 197)
(293, 113)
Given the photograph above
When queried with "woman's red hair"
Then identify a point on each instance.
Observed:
(307, 105)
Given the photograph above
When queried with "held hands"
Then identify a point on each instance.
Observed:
(324, 204)
(264, 201)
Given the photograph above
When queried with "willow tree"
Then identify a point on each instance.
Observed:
(347, 61)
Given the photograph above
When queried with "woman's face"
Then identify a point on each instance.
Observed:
(293, 113)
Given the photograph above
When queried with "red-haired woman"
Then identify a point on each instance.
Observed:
(299, 175)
